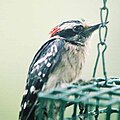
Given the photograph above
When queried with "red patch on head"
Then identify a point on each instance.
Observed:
(54, 31)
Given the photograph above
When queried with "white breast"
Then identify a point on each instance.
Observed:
(70, 67)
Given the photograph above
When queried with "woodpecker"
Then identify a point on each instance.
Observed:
(57, 63)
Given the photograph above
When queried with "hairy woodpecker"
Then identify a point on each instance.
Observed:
(57, 63)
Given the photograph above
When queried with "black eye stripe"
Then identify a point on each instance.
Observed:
(71, 31)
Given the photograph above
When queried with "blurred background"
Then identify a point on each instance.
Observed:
(25, 26)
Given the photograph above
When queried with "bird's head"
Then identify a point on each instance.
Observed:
(74, 31)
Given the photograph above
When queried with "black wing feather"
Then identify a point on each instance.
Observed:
(44, 62)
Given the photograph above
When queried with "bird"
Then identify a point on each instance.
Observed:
(57, 64)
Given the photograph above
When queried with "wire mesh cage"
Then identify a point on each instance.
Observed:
(97, 97)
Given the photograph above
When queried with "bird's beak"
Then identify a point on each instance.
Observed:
(92, 28)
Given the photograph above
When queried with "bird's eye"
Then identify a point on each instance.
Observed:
(78, 29)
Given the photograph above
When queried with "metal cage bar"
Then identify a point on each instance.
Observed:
(95, 94)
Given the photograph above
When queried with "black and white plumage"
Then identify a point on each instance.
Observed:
(57, 63)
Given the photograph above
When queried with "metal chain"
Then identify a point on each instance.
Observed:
(102, 46)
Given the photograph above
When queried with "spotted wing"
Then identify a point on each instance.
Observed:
(44, 62)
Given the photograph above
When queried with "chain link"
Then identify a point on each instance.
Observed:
(102, 46)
